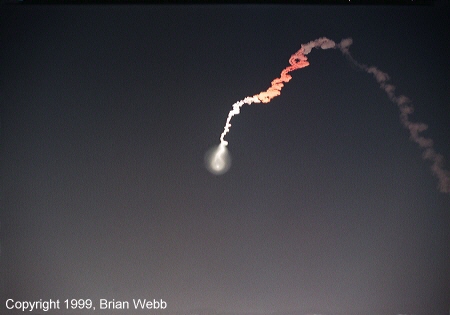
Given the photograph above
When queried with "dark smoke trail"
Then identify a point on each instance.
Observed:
(404, 104)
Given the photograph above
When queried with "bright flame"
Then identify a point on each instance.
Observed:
(218, 160)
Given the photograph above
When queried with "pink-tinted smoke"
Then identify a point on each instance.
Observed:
(406, 109)
(297, 61)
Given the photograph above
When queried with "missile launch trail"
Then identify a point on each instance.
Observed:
(406, 109)
(299, 60)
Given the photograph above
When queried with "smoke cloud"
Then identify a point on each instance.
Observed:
(299, 60)
(406, 109)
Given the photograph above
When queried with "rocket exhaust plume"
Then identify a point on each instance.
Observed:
(298, 60)
(405, 107)
(218, 160)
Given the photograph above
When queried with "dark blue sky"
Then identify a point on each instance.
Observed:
(107, 112)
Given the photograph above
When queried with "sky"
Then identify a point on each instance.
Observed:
(328, 206)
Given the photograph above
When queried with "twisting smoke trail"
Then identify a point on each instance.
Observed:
(405, 107)
(297, 61)
(217, 159)
(236, 110)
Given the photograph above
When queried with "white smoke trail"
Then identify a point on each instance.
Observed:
(297, 61)
(236, 110)
(406, 109)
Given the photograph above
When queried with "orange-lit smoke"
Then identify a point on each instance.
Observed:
(297, 61)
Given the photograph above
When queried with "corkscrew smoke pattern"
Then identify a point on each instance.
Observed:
(405, 107)
(299, 60)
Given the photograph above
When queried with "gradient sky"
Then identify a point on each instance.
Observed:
(107, 112)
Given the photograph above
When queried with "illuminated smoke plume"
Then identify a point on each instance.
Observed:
(297, 61)
(405, 107)
(218, 162)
